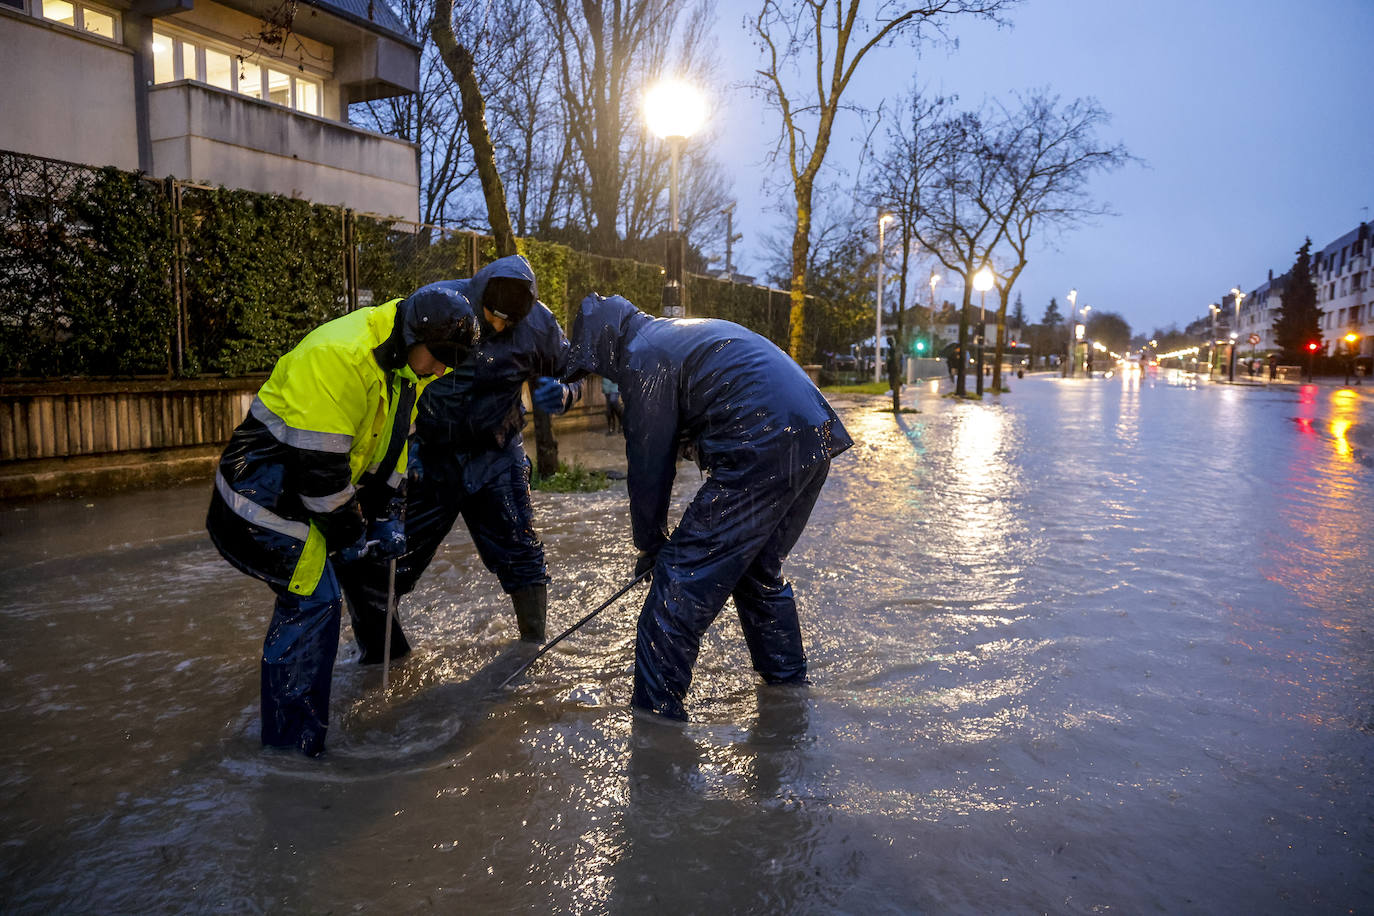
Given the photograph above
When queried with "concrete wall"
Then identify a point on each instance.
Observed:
(65, 96)
(200, 133)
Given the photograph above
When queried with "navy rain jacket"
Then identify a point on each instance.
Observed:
(748, 408)
(473, 415)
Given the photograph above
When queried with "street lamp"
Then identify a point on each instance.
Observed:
(1081, 330)
(1351, 340)
(674, 110)
(1073, 317)
(983, 281)
(934, 282)
(883, 220)
(1239, 297)
(1212, 344)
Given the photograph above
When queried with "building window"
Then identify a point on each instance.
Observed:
(79, 15)
(178, 57)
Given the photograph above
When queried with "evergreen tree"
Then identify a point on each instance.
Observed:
(1298, 323)
(1018, 316)
(1052, 317)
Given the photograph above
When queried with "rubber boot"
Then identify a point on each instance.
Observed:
(531, 607)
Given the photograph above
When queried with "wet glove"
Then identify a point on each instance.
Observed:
(355, 551)
(645, 562)
(387, 537)
(550, 395)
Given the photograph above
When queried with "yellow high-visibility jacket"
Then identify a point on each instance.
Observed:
(287, 487)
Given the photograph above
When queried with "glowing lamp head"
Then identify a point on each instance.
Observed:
(983, 280)
(1351, 337)
(674, 109)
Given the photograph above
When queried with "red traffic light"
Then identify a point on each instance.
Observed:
(1311, 346)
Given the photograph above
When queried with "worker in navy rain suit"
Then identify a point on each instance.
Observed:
(763, 434)
(469, 457)
(312, 481)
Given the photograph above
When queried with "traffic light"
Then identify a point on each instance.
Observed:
(920, 346)
(1312, 346)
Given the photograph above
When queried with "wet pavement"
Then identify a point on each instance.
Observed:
(1091, 646)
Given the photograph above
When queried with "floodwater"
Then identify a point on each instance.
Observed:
(1095, 646)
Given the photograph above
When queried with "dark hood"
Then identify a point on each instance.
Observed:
(600, 330)
(512, 266)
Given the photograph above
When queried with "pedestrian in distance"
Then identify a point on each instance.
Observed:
(468, 456)
(764, 436)
(312, 481)
(611, 392)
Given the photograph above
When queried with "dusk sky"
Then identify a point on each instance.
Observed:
(1252, 120)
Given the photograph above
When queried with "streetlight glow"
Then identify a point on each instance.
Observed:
(674, 109)
(984, 279)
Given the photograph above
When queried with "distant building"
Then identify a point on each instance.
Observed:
(1342, 275)
(1341, 271)
(234, 92)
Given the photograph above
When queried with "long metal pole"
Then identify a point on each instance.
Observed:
(878, 325)
(390, 617)
(574, 628)
(1073, 315)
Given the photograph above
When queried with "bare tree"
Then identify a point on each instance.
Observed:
(458, 57)
(606, 51)
(828, 40)
(430, 118)
(1051, 152)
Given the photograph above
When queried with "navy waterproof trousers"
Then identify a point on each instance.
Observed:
(297, 665)
(731, 542)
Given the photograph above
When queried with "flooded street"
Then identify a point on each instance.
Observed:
(1096, 646)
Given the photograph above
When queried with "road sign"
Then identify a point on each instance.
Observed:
(1254, 339)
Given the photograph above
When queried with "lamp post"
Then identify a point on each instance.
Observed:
(1238, 297)
(930, 336)
(1073, 317)
(1081, 330)
(983, 281)
(1351, 339)
(1212, 344)
(883, 220)
(674, 110)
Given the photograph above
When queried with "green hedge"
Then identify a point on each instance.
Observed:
(88, 269)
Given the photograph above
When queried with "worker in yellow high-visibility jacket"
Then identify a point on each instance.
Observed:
(314, 477)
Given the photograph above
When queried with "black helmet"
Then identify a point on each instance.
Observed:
(442, 319)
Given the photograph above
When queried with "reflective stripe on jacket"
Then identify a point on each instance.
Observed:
(286, 488)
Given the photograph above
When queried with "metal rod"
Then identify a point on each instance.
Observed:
(570, 630)
(390, 616)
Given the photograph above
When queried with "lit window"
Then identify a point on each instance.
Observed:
(188, 60)
(250, 80)
(59, 11)
(307, 96)
(278, 87)
(218, 69)
(100, 23)
(162, 59)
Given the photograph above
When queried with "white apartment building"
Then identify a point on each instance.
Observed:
(243, 93)
(1342, 275)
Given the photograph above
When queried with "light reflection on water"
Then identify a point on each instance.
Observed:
(1063, 642)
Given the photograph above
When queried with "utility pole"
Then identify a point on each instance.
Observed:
(730, 239)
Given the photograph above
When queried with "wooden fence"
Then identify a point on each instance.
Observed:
(58, 420)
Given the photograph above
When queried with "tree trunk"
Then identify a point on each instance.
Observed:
(960, 385)
(798, 344)
(459, 61)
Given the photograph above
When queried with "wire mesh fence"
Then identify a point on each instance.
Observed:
(107, 273)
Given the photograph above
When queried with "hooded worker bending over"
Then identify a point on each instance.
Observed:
(313, 479)
(471, 455)
(763, 434)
